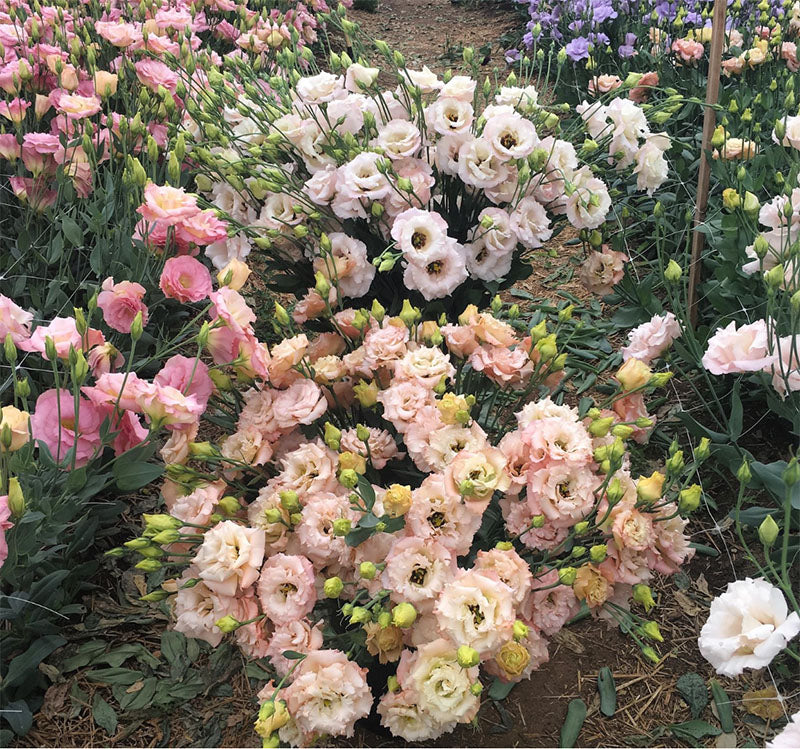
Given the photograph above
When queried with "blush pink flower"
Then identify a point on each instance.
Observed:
(563, 493)
(731, 350)
(187, 374)
(549, 605)
(5, 524)
(382, 447)
(688, 50)
(417, 570)
(328, 694)
(185, 279)
(120, 303)
(603, 270)
(506, 367)
(167, 205)
(14, 321)
(402, 402)
(286, 588)
(314, 533)
(77, 107)
(303, 402)
(297, 635)
(56, 422)
(119, 388)
(651, 339)
(64, 334)
(154, 73)
(203, 228)
(229, 558)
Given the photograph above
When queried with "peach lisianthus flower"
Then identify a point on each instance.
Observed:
(417, 570)
(592, 586)
(77, 107)
(229, 558)
(297, 635)
(603, 270)
(286, 588)
(688, 50)
(328, 694)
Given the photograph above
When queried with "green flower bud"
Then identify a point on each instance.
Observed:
(392, 684)
(673, 272)
(229, 505)
(650, 629)
(578, 551)
(467, 657)
(476, 689)
(537, 521)
(644, 595)
(332, 436)
(333, 587)
(768, 531)
(342, 526)
(384, 619)
(601, 427)
(148, 565)
(404, 615)
(650, 654)
(690, 498)
(702, 451)
(166, 537)
(567, 575)
(743, 474)
(360, 615)
(155, 596)
(598, 553)
(367, 570)
(521, 630)
(792, 473)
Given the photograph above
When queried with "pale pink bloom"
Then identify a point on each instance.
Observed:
(358, 77)
(354, 271)
(321, 186)
(552, 440)
(629, 409)
(672, 548)
(231, 308)
(518, 516)
(788, 738)
(302, 403)
(154, 73)
(733, 351)
(530, 223)
(309, 469)
(199, 505)
(104, 358)
(399, 139)
(229, 557)
(651, 339)
(297, 635)
(549, 605)
(563, 493)
(442, 685)
(258, 413)
(427, 365)
(439, 515)
(118, 388)
(786, 369)
(603, 270)
(510, 568)
(176, 448)
(477, 609)
(402, 401)
(62, 428)
(511, 136)
(688, 50)
(631, 528)
(64, 334)
(402, 714)
(286, 588)
(477, 475)
(167, 405)
(420, 235)
(166, 204)
(314, 534)
(248, 446)
(120, 303)
(417, 570)
(545, 409)
(77, 107)
(14, 321)
(320, 88)
(449, 116)
(119, 34)
(589, 203)
(789, 54)
(602, 84)
(382, 447)
(196, 611)
(328, 694)
(360, 178)
(187, 374)
(504, 366)
(202, 228)
(626, 565)
(285, 356)
(460, 339)
(479, 165)
(484, 263)
(382, 346)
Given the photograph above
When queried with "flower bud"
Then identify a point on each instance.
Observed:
(397, 500)
(743, 474)
(366, 393)
(148, 565)
(650, 629)
(16, 499)
(476, 689)
(333, 587)
(649, 489)
(623, 431)
(521, 630)
(690, 498)
(367, 570)
(228, 624)
(537, 521)
(467, 657)
(161, 522)
(768, 531)
(730, 199)
(360, 615)
(404, 615)
(342, 526)
(633, 374)
(644, 595)
(702, 451)
(673, 272)
(578, 551)
(321, 285)
(166, 537)
(598, 553)
(650, 654)
(792, 473)
(392, 684)
(348, 478)
(136, 327)
(332, 436)
(155, 596)
(675, 463)
(567, 575)
(384, 619)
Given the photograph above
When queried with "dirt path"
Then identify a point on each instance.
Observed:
(433, 32)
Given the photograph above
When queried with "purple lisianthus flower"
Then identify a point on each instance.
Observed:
(599, 39)
(578, 49)
(576, 25)
(628, 50)
(512, 55)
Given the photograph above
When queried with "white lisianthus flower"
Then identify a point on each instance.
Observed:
(399, 139)
(440, 274)
(420, 235)
(651, 166)
(319, 88)
(478, 164)
(789, 737)
(524, 99)
(512, 137)
(358, 77)
(589, 203)
(459, 87)
(530, 223)
(425, 80)
(230, 557)
(449, 116)
(748, 625)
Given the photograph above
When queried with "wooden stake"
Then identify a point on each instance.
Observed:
(709, 123)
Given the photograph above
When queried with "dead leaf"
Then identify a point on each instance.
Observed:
(764, 703)
(689, 607)
(569, 641)
(726, 741)
(54, 699)
(702, 585)
(135, 687)
(141, 584)
(51, 672)
(234, 720)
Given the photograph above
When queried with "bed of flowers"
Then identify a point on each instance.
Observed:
(397, 497)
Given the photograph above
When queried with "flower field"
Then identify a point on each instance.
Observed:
(363, 388)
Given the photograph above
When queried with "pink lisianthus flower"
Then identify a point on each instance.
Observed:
(185, 279)
(187, 374)
(651, 339)
(120, 303)
(166, 204)
(297, 635)
(64, 334)
(14, 320)
(286, 588)
(229, 557)
(203, 228)
(5, 524)
(57, 424)
(731, 351)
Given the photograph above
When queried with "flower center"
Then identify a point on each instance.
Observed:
(418, 239)
(508, 141)
(477, 614)
(436, 519)
(435, 267)
(418, 575)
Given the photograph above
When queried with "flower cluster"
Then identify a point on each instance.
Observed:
(439, 181)
(344, 513)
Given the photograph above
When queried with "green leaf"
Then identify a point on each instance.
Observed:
(173, 646)
(72, 231)
(607, 688)
(366, 491)
(723, 704)
(103, 714)
(115, 676)
(131, 476)
(141, 698)
(293, 655)
(27, 663)
(693, 730)
(19, 717)
(737, 413)
(693, 689)
(576, 714)
(500, 689)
